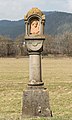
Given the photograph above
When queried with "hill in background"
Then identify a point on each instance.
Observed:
(56, 23)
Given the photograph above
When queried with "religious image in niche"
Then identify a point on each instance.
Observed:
(35, 27)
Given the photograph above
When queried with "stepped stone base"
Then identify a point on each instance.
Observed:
(36, 103)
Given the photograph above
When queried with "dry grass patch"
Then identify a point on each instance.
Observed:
(57, 76)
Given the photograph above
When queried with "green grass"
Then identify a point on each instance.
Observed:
(57, 76)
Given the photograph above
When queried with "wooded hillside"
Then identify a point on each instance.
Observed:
(56, 23)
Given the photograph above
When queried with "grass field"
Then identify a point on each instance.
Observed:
(57, 76)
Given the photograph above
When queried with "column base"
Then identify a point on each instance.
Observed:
(36, 103)
(35, 83)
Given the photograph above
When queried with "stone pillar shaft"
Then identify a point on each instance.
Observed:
(35, 76)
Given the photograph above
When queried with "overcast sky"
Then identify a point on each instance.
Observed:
(16, 9)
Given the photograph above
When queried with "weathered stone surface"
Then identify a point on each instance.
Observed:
(34, 45)
(36, 103)
(35, 97)
(34, 11)
(35, 69)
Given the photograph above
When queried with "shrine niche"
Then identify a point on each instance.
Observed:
(34, 21)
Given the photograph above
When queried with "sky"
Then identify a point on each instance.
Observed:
(16, 9)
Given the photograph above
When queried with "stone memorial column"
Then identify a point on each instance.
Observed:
(35, 97)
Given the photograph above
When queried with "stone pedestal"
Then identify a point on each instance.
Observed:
(36, 103)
